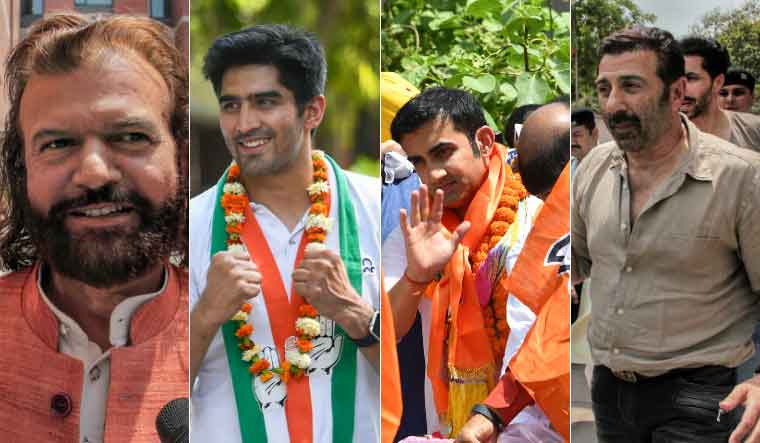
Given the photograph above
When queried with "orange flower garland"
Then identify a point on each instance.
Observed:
(234, 201)
(495, 312)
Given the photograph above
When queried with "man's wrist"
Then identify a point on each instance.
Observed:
(489, 414)
(356, 320)
(415, 280)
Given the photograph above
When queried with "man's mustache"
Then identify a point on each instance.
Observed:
(258, 132)
(105, 194)
(622, 117)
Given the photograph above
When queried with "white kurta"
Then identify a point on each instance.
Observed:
(214, 412)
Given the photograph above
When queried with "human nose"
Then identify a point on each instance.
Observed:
(248, 119)
(96, 167)
(436, 173)
(613, 102)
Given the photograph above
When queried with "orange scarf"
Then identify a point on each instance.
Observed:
(461, 366)
(540, 280)
(390, 380)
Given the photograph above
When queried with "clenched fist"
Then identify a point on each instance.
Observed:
(232, 279)
(321, 279)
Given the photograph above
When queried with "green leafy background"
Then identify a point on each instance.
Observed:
(506, 52)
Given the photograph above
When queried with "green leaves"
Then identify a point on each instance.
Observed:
(531, 89)
(481, 46)
(483, 84)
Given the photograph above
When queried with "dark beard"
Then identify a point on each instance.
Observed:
(105, 257)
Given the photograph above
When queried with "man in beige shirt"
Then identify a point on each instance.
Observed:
(706, 65)
(665, 225)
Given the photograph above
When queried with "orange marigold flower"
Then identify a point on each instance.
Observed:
(479, 257)
(258, 366)
(498, 228)
(493, 242)
(304, 345)
(322, 196)
(285, 375)
(483, 247)
(246, 308)
(245, 346)
(320, 174)
(319, 238)
(318, 208)
(244, 331)
(236, 228)
(501, 325)
(234, 171)
(307, 310)
(315, 230)
(266, 376)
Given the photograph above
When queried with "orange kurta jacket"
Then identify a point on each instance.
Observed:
(151, 371)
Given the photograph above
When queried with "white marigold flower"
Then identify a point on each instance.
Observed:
(308, 326)
(318, 221)
(318, 187)
(317, 154)
(249, 354)
(315, 246)
(234, 218)
(234, 188)
(297, 359)
(237, 248)
(240, 316)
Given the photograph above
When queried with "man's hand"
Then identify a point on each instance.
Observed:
(747, 394)
(321, 279)
(232, 279)
(429, 246)
(478, 429)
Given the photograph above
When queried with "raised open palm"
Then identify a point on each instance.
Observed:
(429, 245)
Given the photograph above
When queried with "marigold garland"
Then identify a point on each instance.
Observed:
(495, 312)
(234, 201)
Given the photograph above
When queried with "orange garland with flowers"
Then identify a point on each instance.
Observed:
(495, 312)
(234, 201)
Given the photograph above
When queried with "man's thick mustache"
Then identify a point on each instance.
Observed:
(622, 117)
(104, 194)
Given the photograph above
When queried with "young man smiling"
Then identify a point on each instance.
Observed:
(279, 372)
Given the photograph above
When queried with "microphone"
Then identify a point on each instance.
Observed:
(172, 422)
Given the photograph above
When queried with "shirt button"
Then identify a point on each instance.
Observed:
(64, 330)
(95, 374)
(628, 269)
(292, 241)
(623, 226)
(619, 311)
(616, 351)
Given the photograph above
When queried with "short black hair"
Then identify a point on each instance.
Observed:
(461, 107)
(715, 59)
(670, 63)
(584, 117)
(517, 117)
(297, 55)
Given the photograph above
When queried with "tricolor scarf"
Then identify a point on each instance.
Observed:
(343, 378)
(461, 366)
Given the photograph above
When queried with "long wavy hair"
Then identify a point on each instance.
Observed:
(61, 44)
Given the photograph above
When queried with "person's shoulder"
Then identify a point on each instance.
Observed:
(11, 283)
(723, 156)
(598, 157)
(744, 118)
(203, 202)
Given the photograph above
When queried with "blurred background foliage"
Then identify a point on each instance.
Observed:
(348, 31)
(506, 52)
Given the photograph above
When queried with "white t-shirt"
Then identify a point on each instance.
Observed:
(213, 408)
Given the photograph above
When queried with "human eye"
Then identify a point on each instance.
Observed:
(131, 140)
(229, 106)
(723, 93)
(603, 89)
(56, 144)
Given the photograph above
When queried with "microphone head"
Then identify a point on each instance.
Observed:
(172, 422)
